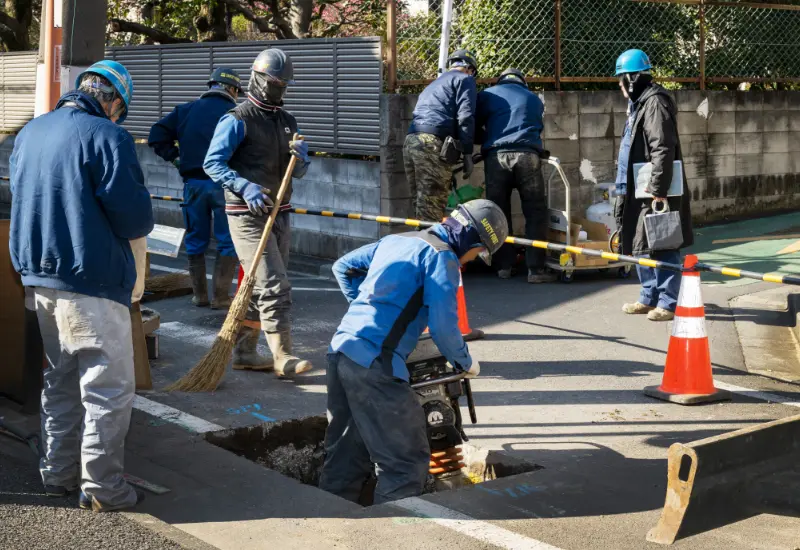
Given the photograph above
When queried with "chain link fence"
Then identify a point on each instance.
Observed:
(688, 41)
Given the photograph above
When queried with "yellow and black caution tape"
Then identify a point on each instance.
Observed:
(645, 262)
(166, 198)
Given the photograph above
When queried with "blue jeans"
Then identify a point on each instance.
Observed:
(201, 200)
(660, 287)
(374, 418)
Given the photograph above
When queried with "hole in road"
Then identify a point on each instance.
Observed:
(296, 449)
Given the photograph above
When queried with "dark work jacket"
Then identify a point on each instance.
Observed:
(655, 139)
(263, 156)
(192, 126)
(510, 118)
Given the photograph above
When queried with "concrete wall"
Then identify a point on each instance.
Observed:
(330, 183)
(740, 149)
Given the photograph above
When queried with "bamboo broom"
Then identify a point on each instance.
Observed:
(207, 374)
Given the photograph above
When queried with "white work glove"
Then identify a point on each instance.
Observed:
(474, 370)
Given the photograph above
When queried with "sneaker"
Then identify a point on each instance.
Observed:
(85, 502)
(57, 491)
(637, 308)
(504, 273)
(536, 276)
(661, 314)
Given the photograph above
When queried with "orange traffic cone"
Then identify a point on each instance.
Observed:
(467, 332)
(687, 374)
(239, 279)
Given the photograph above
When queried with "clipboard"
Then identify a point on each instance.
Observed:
(641, 177)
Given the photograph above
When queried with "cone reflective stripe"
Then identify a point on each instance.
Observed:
(687, 374)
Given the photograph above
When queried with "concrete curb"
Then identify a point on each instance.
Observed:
(167, 531)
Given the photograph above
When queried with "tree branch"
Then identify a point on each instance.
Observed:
(10, 32)
(12, 24)
(120, 25)
(260, 22)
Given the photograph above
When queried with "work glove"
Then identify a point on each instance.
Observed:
(469, 165)
(177, 163)
(474, 370)
(299, 148)
(256, 198)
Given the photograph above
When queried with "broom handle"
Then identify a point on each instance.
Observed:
(262, 244)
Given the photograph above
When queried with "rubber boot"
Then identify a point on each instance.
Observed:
(245, 354)
(197, 271)
(224, 269)
(286, 364)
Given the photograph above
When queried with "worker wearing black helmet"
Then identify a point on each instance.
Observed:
(441, 134)
(248, 156)
(509, 125)
(182, 137)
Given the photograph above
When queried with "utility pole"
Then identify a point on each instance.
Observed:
(444, 45)
(72, 37)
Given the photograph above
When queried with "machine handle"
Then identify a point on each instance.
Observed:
(443, 380)
(473, 416)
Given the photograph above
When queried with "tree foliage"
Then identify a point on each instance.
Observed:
(19, 25)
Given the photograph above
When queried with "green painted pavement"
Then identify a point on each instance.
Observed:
(757, 255)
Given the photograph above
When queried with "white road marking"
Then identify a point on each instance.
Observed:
(209, 277)
(755, 394)
(169, 414)
(471, 527)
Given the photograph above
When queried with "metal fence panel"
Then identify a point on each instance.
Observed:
(335, 98)
(17, 89)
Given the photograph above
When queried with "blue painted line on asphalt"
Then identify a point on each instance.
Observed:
(262, 417)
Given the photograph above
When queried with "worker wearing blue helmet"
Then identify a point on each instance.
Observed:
(79, 199)
(650, 137)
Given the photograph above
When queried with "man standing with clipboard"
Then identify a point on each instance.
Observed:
(649, 149)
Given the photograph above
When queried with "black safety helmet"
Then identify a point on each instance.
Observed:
(272, 72)
(226, 76)
(463, 57)
(512, 75)
(487, 218)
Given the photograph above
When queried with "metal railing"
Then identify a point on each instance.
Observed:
(696, 42)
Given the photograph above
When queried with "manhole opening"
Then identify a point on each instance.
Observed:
(296, 449)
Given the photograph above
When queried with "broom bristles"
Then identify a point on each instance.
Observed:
(167, 283)
(207, 374)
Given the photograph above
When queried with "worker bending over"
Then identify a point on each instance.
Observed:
(248, 157)
(509, 127)
(78, 199)
(192, 126)
(396, 287)
(445, 109)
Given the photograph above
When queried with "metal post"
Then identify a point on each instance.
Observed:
(444, 45)
(558, 44)
(391, 38)
(702, 45)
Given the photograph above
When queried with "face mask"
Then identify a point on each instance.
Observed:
(275, 93)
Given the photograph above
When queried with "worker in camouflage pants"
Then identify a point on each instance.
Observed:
(446, 108)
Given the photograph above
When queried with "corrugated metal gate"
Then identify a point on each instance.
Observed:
(17, 89)
(335, 98)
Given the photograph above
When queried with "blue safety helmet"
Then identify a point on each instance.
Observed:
(119, 77)
(633, 61)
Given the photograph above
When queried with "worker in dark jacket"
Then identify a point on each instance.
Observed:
(446, 108)
(78, 200)
(396, 287)
(651, 135)
(248, 157)
(192, 126)
(509, 126)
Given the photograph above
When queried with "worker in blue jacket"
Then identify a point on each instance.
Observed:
(78, 199)
(192, 126)
(509, 125)
(248, 156)
(396, 287)
(445, 109)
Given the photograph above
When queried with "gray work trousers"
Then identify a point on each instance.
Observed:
(520, 170)
(88, 379)
(272, 295)
(373, 419)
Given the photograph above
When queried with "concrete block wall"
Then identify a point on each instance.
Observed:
(740, 149)
(330, 183)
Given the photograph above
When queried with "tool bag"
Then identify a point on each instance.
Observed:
(663, 228)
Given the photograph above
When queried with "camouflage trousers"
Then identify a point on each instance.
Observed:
(429, 177)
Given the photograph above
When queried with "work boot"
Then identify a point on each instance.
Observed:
(197, 272)
(637, 308)
(660, 314)
(224, 269)
(245, 354)
(85, 502)
(286, 364)
(536, 276)
(504, 273)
